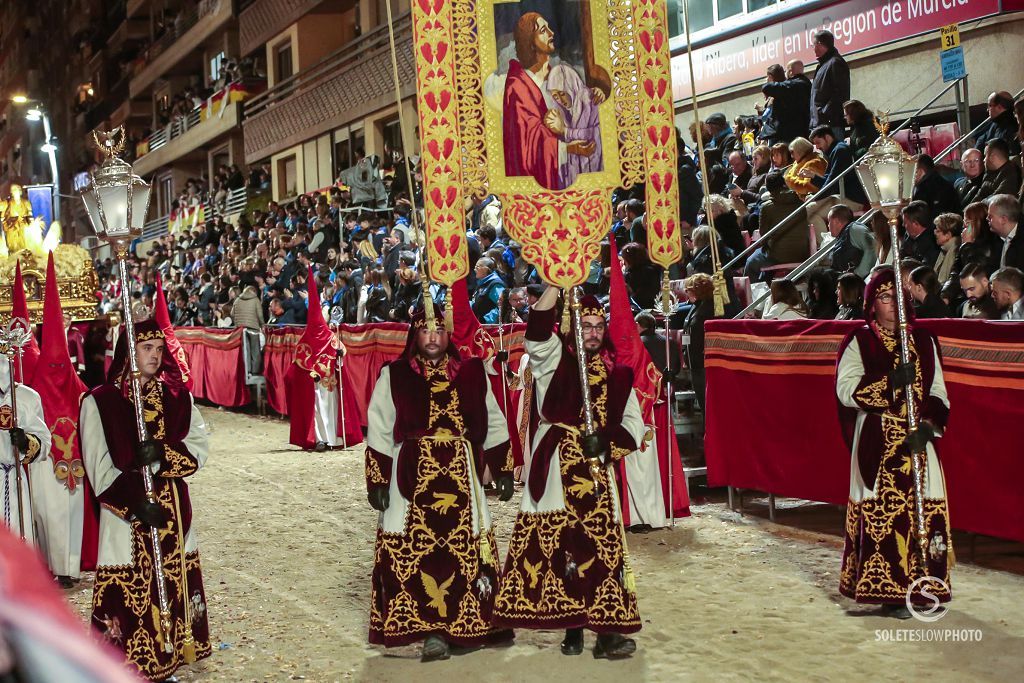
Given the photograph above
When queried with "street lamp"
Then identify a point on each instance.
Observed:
(117, 200)
(887, 174)
(36, 112)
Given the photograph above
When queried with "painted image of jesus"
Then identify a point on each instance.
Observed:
(550, 116)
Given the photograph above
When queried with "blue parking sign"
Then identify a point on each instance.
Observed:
(953, 66)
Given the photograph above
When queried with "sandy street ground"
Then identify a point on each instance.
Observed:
(287, 543)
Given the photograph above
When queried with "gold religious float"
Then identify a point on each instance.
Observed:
(24, 242)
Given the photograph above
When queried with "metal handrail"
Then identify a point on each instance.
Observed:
(822, 192)
(350, 54)
(962, 138)
(804, 267)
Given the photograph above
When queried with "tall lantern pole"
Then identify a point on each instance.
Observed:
(887, 174)
(117, 201)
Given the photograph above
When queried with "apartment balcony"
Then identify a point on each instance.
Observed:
(182, 40)
(261, 20)
(350, 83)
(185, 136)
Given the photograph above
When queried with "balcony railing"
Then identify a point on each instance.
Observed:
(346, 57)
(181, 25)
(235, 203)
(345, 82)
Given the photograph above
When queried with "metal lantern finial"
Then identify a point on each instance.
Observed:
(116, 199)
(887, 171)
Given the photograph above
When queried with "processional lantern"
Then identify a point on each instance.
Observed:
(116, 199)
(887, 173)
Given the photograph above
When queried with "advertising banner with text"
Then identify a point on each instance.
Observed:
(856, 24)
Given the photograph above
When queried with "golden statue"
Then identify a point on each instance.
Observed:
(24, 231)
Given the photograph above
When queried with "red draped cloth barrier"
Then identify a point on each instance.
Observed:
(369, 347)
(215, 359)
(772, 422)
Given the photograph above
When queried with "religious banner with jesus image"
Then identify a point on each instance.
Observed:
(550, 105)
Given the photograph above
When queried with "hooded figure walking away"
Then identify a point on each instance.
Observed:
(567, 566)
(434, 425)
(880, 561)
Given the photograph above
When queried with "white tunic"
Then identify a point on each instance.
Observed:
(30, 419)
(848, 376)
(380, 437)
(544, 358)
(642, 482)
(115, 543)
(59, 514)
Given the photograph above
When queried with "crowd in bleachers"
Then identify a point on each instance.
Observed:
(961, 253)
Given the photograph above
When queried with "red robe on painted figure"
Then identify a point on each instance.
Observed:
(318, 412)
(643, 475)
(531, 149)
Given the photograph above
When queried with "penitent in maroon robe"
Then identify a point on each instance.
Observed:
(530, 148)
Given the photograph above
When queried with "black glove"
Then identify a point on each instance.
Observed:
(504, 486)
(19, 439)
(594, 445)
(902, 375)
(502, 356)
(918, 439)
(150, 514)
(670, 374)
(146, 453)
(379, 498)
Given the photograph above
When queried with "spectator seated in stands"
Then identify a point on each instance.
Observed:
(488, 288)
(847, 191)
(855, 250)
(920, 242)
(821, 298)
(862, 127)
(978, 244)
(279, 315)
(972, 163)
(1002, 175)
(850, 297)
(807, 164)
(790, 243)
(1002, 125)
(975, 284)
(700, 292)
(948, 227)
(924, 289)
(726, 223)
(1004, 213)
(932, 189)
(1007, 290)
(786, 302)
(642, 276)
(655, 344)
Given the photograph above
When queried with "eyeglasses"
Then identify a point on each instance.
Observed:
(886, 298)
(587, 327)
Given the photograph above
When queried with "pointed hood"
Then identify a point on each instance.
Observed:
(59, 388)
(173, 347)
(316, 353)
(468, 335)
(628, 349)
(19, 309)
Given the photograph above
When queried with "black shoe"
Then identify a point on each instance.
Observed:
(320, 446)
(896, 611)
(573, 643)
(613, 646)
(435, 648)
(65, 582)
